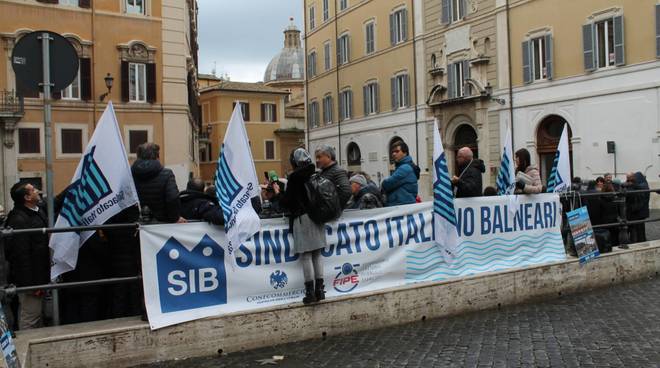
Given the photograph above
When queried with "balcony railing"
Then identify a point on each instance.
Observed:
(11, 104)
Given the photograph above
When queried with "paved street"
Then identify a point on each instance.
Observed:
(619, 327)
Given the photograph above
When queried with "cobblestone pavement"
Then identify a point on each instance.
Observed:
(615, 327)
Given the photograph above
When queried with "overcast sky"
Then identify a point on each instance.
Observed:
(243, 36)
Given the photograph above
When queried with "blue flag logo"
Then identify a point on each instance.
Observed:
(227, 188)
(443, 197)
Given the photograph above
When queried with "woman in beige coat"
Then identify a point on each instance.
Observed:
(528, 180)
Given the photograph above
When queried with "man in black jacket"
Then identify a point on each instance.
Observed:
(195, 205)
(28, 254)
(468, 183)
(325, 160)
(156, 185)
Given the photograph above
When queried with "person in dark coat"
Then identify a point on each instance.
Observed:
(469, 182)
(401, 187)
(28, 254)
(365, 196)
(637, 205)
(156, 185)
(308, 236)
(326, 162)
(196, 205)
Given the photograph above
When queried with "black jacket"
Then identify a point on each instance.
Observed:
(157, 189)
(638, 204)
(295, 199)
(470, 183)
(337, 175)
(367, 198)
(199, 206)
(28, 255)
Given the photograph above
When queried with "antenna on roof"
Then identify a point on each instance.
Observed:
(214, 67)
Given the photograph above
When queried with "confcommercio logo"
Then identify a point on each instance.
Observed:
(347, 279)
(278, 279)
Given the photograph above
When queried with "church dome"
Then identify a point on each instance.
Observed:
(289, 63)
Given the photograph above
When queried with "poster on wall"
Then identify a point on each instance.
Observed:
(583, 234)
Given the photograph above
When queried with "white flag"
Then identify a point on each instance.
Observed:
(506, 178)
(444, 214)
(560, 176)
(236, 183)
(101, 188)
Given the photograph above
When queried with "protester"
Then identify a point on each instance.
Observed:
(210, 191)
(600, 183)
(609, 179)
(528, 180)
(365, 196)
(401, 188)
(308, 237)
(28, 254)
(271, 194)
(468, 183)
(326, 162)
(196, 205)
(490, 191)
(156, 185)
(637, 205)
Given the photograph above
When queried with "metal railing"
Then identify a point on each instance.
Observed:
(11, 103)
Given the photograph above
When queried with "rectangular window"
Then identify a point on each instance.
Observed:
(71, 140)
(539, 70)
(370, 38)
(343, 50)
(137, 82)
(270, 149)
(343, 4)
(136, 138)
(604, 43)
(346, 105)
(311, 64)
(327, 56)
(371, 98)
(135, 6)
(399, 23)
(245, 110)
(313, 112)
(327, 109)
(458, 74)
(326, 10)
(312, 21)
(72, 91)
(29, 140)
(268, 112)
(457, 10)
(400, 92)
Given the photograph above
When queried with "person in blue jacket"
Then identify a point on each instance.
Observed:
(401, 188)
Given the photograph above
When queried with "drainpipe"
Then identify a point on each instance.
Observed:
(412, 12)
(508, 37)
(306, 104)
(93, 67)
(339, 150)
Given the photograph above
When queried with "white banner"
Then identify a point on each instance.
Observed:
(187, 276)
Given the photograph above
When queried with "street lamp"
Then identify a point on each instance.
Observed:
(108, 84)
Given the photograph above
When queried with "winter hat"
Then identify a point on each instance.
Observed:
(359, 179)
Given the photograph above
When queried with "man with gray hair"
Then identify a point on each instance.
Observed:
(468, 183)
(325, 161)
(365, 196)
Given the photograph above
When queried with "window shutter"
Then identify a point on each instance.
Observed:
(365, 104)
(548, 57)
(526, 62)
(348, 49)
(446, 12)
(377, 97)
(657, 30)
(467, 88)
(84, 3)
(451, 81)
(619, 49)
(124, 81)
(462, 11)
(349, 110)
(274, 112)
(331, 108)
(404, 24)
(151, 82)
(316, 112)
(588, 47)
(247, 111)
(392, 30)
(394, 94)
(85, 79)
(342, 115)
(406, 90)
(263, 112)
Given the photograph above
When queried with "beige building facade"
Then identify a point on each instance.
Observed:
(364, 86)
(149, 49)
(594, 65)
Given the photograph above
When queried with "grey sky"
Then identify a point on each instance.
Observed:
(242, 36)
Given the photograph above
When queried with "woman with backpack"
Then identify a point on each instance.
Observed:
(308, 236)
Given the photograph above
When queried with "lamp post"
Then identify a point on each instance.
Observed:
(108, 84)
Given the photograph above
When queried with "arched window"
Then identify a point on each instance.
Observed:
(353, 154)
(547, 140)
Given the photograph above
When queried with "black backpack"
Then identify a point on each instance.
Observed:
(322, 199)
(416, 169)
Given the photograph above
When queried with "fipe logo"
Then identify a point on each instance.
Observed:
(191, 279)
(347, 279)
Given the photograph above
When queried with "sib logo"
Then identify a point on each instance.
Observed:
(86, 192)
(278, 279)
(191, 279)
(347, 279)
